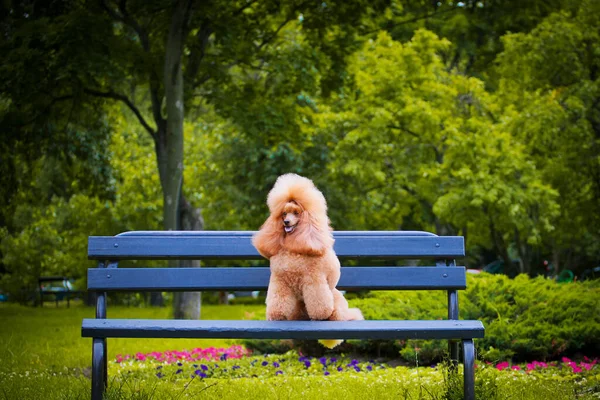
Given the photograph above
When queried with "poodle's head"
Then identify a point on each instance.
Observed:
(298, 221)
(292, 213)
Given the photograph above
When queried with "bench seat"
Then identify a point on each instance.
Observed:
(156, 328)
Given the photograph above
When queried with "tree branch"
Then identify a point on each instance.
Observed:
(127, 19)
(274, 34)
(128, 103)
(242, 8)
(197, 53)
(408, 21)
(403, 129)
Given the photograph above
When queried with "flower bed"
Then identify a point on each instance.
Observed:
(237, 362)
(197, 354)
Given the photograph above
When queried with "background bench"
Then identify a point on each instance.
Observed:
(443, 275)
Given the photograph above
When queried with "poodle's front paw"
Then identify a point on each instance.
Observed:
(275, 316)
(320, 314)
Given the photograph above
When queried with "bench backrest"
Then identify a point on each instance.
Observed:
(185, 245)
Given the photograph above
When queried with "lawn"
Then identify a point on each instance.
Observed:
(42, 355)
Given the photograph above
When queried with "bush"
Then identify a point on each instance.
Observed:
(525, 319)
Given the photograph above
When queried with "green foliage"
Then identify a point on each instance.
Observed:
(524, 318)
(549, 86)
(472, 118)
(53, 219)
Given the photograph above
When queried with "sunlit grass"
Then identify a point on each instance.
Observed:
(50, 338)
(42, 356)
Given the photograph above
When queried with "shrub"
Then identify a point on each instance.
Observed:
(525, 319)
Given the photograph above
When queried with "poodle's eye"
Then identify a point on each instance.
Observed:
(284, 214)
(296, 213)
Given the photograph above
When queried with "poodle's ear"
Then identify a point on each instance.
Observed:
(269, 238)
(312, 237)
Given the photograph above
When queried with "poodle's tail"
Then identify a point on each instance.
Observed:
(331, 343)
(354, 314)
(349, 314)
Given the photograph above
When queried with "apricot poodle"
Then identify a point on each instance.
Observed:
(297, 240)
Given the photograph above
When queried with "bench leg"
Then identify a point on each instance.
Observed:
(98, 368)
(469, 363)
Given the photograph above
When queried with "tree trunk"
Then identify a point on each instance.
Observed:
(172, 179)
(556, 259)
(188, 305)
(524, 254)
(177, 212)
(499, 244)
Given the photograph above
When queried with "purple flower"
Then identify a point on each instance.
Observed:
(279, 373)
(340, 369)
(264, 363)
(326, 373)
(159, 375)
(236, 367)
(275, 364)
(204, 367)
(302, 358)
(223, 357)
(200, 373)
(333, 360)
(357, 368)
(369, 368)
(195, 365)
(323, 360)
(179, 371)
(159, 367)
(179, 364)
(307, 363)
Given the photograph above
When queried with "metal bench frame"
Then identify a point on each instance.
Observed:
(445, 275)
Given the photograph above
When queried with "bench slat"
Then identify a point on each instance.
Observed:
(248, 234)
(138, 328)
(237, 245)
(253, 278)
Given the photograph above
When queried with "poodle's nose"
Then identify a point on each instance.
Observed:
(286, 221)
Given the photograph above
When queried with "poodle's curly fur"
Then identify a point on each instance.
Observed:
(297, 240)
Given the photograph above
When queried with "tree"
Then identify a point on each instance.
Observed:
(419, 146)
(474, 28)
(141, 53)
(549, 89)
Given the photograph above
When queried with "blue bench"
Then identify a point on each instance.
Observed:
(151, 245)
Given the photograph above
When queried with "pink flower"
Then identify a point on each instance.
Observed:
(502, 365)
(530, 366)
(516, 367)
(173, 356)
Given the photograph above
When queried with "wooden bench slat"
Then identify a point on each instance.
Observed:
(144, 328)
(248, 234)
(254, 278)
(237, 245)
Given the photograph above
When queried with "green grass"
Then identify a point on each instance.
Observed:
(50, 338)
(42, 356)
